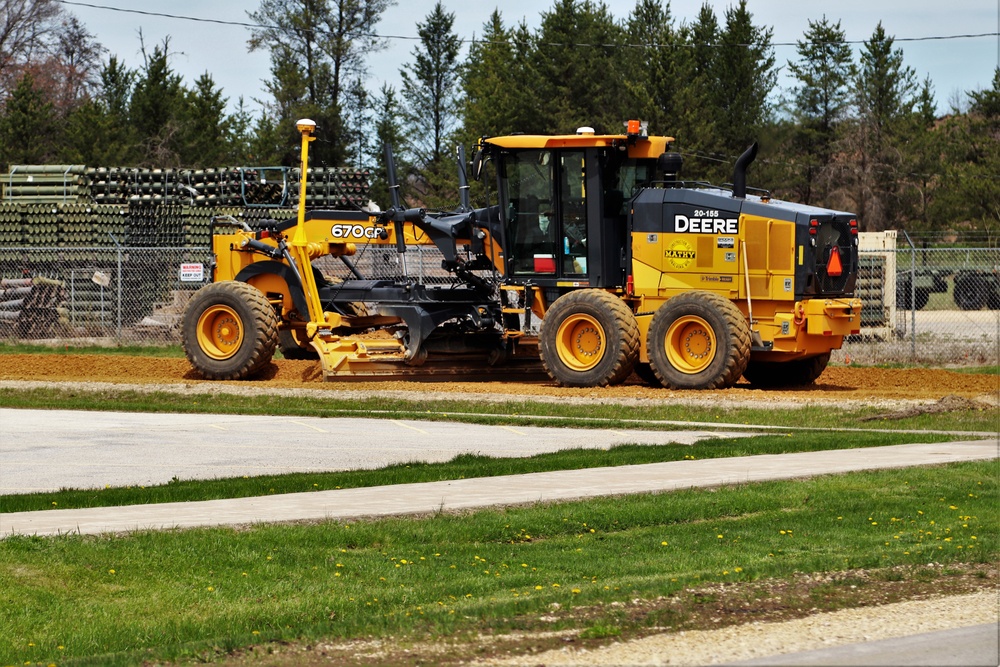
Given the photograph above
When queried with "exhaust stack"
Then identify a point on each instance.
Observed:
(740, 171)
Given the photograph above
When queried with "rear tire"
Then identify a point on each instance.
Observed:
(798, 373)
(229, 330)
(589, 338)
(698, 340)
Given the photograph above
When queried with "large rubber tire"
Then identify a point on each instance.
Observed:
(921, 298)
(970, 292)
(798, 373)
(698, 340)
(589, 338)
(229, 330)
(289, 347)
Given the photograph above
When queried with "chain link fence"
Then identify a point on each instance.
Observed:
(936, 306)
(136, 296)
(121, 295)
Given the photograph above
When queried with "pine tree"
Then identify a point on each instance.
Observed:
(696, 114)
(431, 90)
(884, 94)
(820, 101)
(744, 75)
(579, 64)
(389, 131)
(969, 194)
(26, 126)
(156, 104)
(204, 125)
(650, 65)
(499, 83)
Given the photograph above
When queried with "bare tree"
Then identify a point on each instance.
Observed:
(28, 31)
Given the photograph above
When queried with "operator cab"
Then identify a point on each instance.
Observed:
(564, 206)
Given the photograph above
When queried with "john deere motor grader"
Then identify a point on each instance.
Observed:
(595, 261)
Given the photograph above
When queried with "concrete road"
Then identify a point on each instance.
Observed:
(459, 494)
(976, 646)
(46, 450)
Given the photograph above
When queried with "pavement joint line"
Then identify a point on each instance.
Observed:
(310, 426)
(412, 428)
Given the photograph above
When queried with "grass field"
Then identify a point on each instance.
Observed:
(606, 568)
(198, 594)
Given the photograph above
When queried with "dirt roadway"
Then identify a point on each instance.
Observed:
(837, 384)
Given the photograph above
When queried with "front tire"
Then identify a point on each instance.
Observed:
(589, 338)
(229, 330)
(698, 340)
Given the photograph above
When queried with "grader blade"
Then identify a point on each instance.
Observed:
(357, 359)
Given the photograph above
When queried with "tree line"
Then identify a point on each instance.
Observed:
(859, 134)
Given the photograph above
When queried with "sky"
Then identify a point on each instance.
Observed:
(955, 66)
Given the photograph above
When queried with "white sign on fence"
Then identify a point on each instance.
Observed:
(192, 272)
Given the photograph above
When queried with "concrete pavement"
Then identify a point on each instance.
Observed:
(47, 450)
(975, 646)
(409, 499)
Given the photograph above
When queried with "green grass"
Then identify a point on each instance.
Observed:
(194, 594)
(518, 412)
(465, 466)
(167, 351)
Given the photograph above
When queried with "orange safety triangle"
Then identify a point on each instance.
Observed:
(834, 267)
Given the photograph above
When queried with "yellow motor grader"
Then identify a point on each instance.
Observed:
(593, 261)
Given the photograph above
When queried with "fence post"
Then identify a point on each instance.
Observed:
(913, 297)
(118, 287)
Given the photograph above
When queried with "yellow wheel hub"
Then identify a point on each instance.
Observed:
(580, 342)
(690, 344)
(220, 332)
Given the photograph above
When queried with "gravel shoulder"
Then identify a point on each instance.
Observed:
(760, 640)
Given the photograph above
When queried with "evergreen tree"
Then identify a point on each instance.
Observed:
(26, 126)
(389, 131)
(884, 95)
(696, 113)
(431, 90)
(204, 125)
(884, 86)
(156, 104)
(986, 103)
(499, 83)
(358, 113)
(819, 103)
(970, 190)
(650, 65)
(921, 152)
(579, 63)
(239, 135)
(744, 75)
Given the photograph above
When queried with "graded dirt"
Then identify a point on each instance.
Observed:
(838, 384)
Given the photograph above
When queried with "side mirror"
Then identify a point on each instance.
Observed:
(477, 165)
